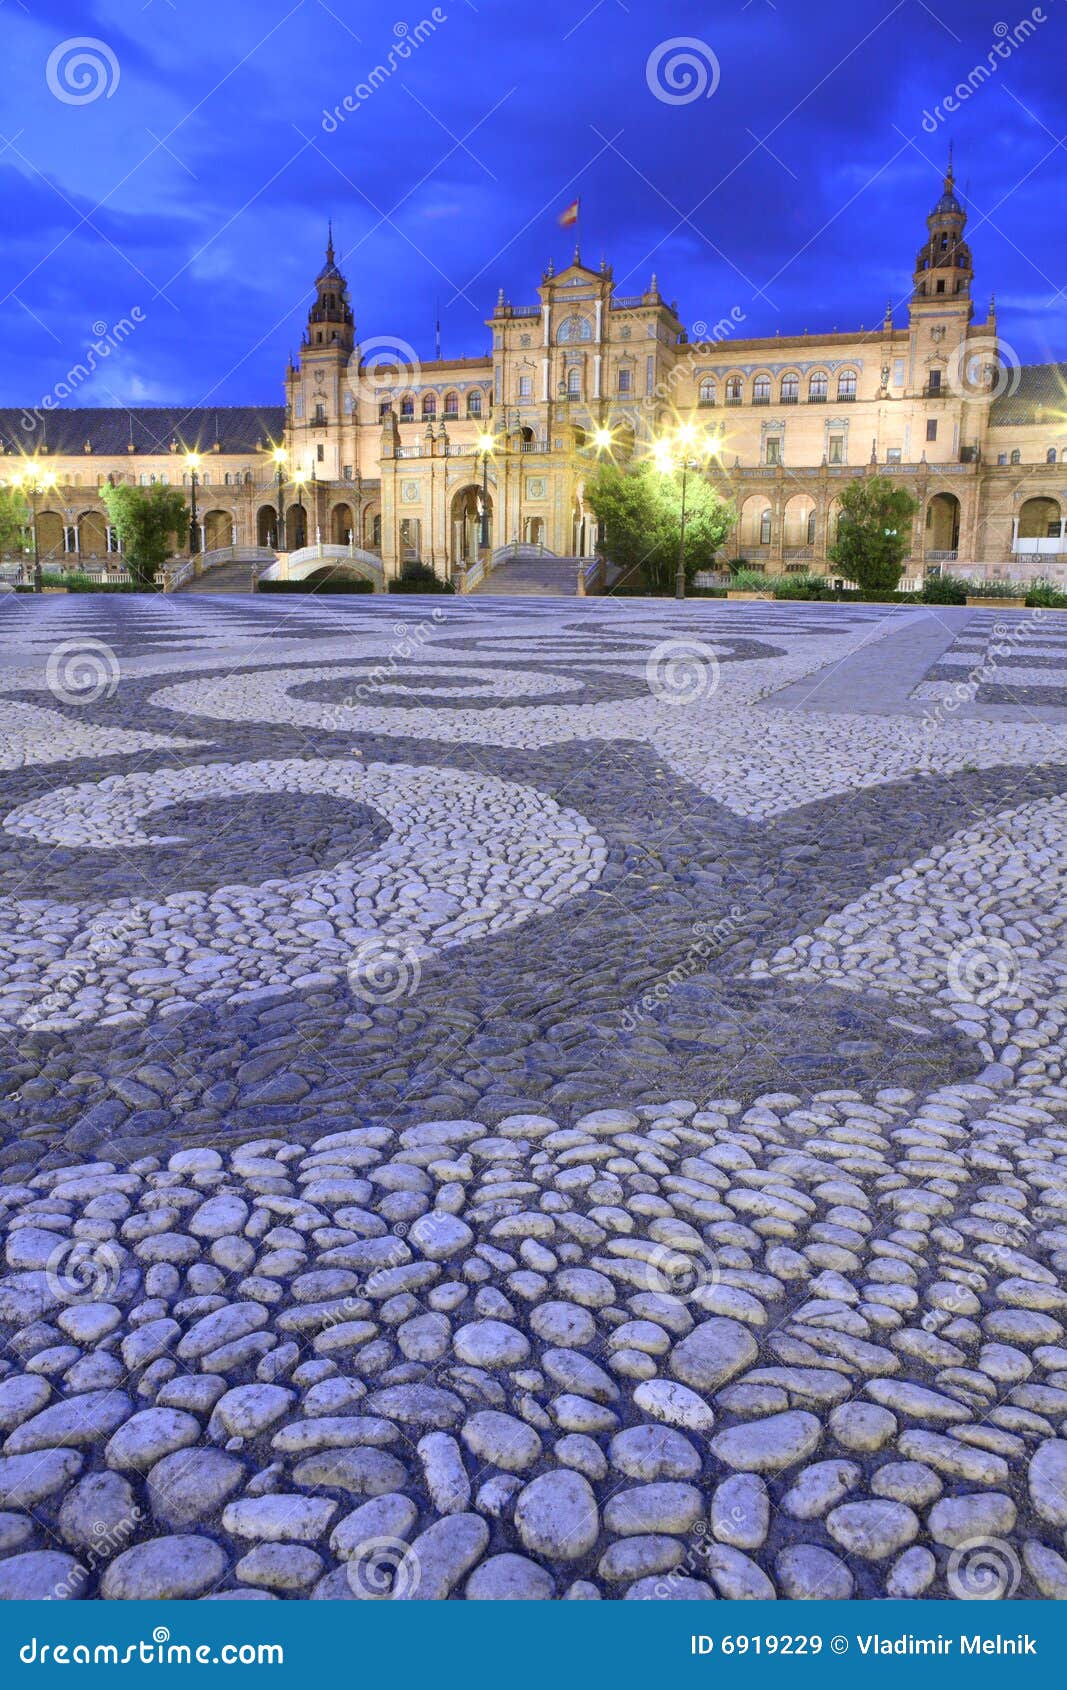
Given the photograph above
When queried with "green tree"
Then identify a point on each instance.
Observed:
(14, 521)
(640, 509)
(152, 523)
(874, 533)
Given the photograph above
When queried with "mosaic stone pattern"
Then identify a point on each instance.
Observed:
(497, 1105)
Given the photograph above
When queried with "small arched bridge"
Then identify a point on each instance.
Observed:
(237, 569)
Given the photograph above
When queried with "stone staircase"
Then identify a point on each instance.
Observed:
(224, 578)
(529, 572)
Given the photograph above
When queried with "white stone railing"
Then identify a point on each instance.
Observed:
(293, 566)
(472, 577)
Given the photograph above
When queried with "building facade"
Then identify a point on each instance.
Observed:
(427, 461)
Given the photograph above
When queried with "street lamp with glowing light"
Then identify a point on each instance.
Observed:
(33, 482)
(281, 458)
(192, 464)
(688, 448)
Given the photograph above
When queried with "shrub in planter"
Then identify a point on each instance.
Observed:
(1042, 595)
(944, 589)
(420, 578)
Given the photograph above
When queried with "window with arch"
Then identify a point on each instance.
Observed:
(761, 390)
(407, 409)
(734, 390)
(1016, 456)
(574, 328)
(451, 404)
(383, 409)
(1050, 455)
(846, 385)
(817, 388)
(429, 407)
(708, 391)
(765, 527)
(790, 389)
(811, 528)
(228, 479)
(474, 404)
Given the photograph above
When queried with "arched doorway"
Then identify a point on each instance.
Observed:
(942, 526)
(372, 528)
(798, 526)
(756, 524)
(535, 531)
(342, 525)
(466, 523)
(1040, 519)
(296, 528)
(266, 526)
(51, 534)
(92, 534)
(218, 530)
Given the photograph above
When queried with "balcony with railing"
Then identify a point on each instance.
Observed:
(847, 396)
(817, 398)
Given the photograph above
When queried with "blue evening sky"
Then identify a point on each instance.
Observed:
(793, 187)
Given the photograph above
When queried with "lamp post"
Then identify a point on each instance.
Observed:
(33, 482)
(192, 464)
(485, 447)
(281, 457)
(299, 478)
(689, 447)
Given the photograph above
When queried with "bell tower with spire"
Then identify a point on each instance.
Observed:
(942, 306)
(317, 386)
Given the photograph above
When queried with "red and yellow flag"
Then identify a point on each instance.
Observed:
(569, 217)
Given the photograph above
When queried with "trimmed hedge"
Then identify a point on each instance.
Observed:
(352, 585)
(420, 578)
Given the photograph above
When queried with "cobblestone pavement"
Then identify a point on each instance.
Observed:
(531, 1100)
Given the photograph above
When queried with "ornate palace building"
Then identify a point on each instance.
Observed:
(394, 458)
